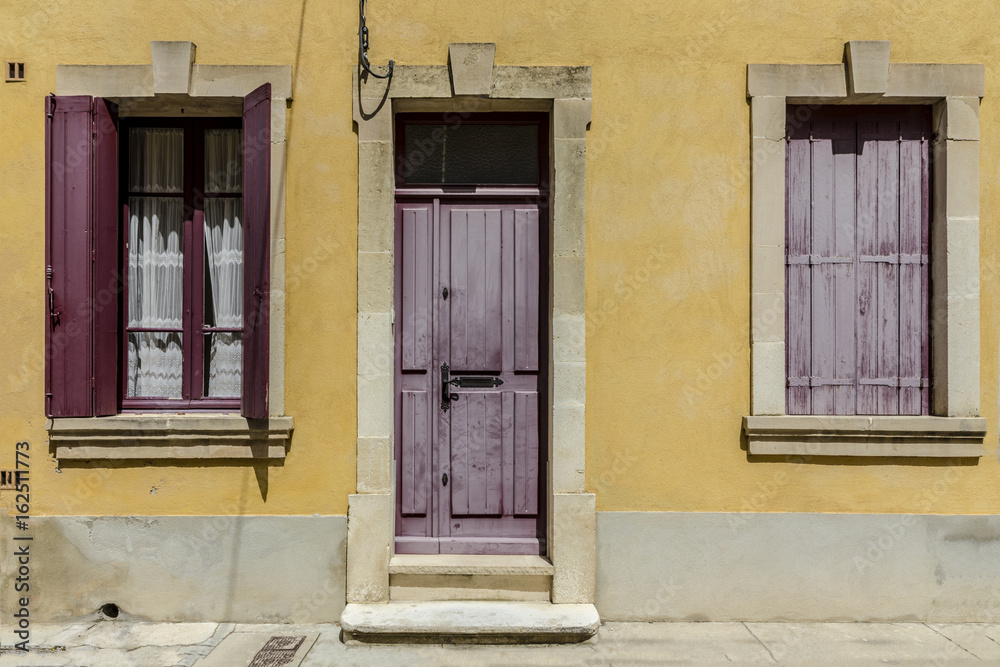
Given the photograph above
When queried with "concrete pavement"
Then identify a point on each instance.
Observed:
(107, 643)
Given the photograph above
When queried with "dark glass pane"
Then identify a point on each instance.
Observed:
(471, 154)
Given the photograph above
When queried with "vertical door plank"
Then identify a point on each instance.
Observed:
(507, 286)
(798, 286)
(925, 281)
(526, 268)
(416, 441)
(887, 270)
(525, 453)
(868, 314)
(460, 464)
(417, 288)
(458, 224)
(475, 290)
(493, 453)
(492, 349)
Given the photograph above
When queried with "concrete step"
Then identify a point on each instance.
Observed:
(421, 578)
(469, 622)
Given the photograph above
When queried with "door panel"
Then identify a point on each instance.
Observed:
(469, 476)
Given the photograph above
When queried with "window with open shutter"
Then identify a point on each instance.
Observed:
(157, 270)
(856, 263)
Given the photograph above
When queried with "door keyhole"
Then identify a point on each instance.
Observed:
(444, 479)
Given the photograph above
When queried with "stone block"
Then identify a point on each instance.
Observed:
(568, 286)
(277, 210)
(369, 530)
(767, 188)
(963, 358)
(105, 81)
(767, 313)
(240, 80)
(574, 548)
(374, 124)
(374, 282)
(375, 405)
(767, 117)
(767, 370)
(934, 81)
(375, 465)
(172, 63)
(767, 269)
(570, 118)
(867, 67)
(962, 173)
(569, 338)
(423, 81)
(471, 67)
(375, 343)
(376, 190)
(570, 197)
(823, 81)
(569, 383)
(963, 258)
(541, 82)
(957, 118)
(569, 456)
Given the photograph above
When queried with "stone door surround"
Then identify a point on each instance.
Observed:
(472, 83)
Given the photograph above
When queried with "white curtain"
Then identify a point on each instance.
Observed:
(224, 261)
(155, 296)
(224, 301)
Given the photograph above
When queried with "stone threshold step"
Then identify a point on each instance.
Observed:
(462, 564)
(469, 622)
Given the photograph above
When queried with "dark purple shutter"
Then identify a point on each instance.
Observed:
(107, 282)
(68, 224)
(256, 250)
(857, 214)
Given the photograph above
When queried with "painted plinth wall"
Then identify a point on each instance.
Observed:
(668, 320)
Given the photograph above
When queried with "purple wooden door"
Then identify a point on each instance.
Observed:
(467, 303)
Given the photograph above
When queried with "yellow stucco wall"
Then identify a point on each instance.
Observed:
(667, 237)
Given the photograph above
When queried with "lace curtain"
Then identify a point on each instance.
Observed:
(224, 261)
(156, 262)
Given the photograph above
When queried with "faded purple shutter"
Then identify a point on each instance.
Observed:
(798, 278)
(68, 224)
(107, 282)
(256, 250)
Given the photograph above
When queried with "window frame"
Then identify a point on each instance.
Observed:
(954, 91)
(194, 272)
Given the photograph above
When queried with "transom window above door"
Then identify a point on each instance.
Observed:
(183, 320)
(857, 248)
(468, 149)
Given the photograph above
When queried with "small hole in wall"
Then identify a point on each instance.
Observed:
(109, 610)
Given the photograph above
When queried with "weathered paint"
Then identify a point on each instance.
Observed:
(668, 156)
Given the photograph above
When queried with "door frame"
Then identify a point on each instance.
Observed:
(563, 93)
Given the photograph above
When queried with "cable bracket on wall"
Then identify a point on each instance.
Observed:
(363, 47)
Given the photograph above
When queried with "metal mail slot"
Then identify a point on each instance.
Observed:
(477, 382)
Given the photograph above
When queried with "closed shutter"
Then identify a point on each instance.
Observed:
(256, 250)
(81, 245)
(857, 212)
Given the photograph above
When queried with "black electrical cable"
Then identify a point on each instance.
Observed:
(363, 47)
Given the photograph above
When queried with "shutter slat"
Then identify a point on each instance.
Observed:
(69, 227)
(256, 251)
(887, 310)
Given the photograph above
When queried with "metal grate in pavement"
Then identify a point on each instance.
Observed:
(277, 651)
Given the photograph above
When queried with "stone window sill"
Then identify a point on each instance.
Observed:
(169, 436)
(798, 435)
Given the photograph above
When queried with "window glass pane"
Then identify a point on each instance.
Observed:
(471, 154)
(156, 159)
(223, 364)
(155, 365)
(155, 262)
(224, 160)
(224, 262)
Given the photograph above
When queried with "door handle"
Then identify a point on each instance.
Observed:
(446, 396)
(444, 479)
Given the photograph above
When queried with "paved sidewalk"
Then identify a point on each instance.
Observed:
(112, 643)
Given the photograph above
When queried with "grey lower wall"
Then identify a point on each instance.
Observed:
(801, 567)
(180, 568)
